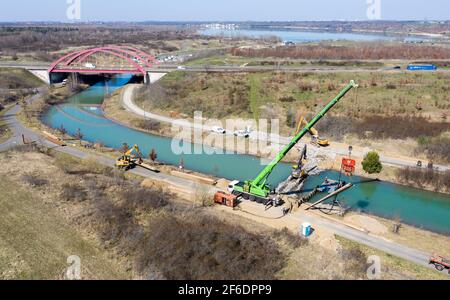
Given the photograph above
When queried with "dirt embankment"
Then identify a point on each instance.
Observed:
(148, 233)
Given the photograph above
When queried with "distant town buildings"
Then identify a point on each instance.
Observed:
(222, 26)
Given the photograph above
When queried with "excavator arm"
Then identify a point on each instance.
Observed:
(126, 160)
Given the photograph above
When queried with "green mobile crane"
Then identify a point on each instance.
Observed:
(257, 189)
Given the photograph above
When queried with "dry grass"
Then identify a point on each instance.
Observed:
(36, 239)
(391, 267)
(224, 95)
(18, 79)
(201, 247)
(148, 232)
(131, 221)
(420, 178)
(361, 51)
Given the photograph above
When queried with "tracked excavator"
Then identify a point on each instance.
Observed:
(298, 170)
(130, 159)
(315, 138)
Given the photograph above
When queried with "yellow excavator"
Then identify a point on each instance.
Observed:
(298, 170)
(130, 160)
(315, 138)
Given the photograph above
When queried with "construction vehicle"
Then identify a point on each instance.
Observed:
(257, 189)
(298, 170)
(225, 199)
(315, 138)
(440, 263)
(129, 160)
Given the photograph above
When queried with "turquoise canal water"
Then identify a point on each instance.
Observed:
(302, 36)
(416, 207)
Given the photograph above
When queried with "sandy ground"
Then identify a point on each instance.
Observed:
(367, 223)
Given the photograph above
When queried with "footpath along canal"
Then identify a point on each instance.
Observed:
(416, 207)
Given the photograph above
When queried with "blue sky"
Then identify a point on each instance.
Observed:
(222, 10)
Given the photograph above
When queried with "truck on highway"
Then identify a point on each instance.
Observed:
(90, 65)
(421, 67)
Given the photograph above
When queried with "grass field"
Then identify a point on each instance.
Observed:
(395, 93)
(18, 79)
(55, 206)
(231, 60)
(5, 132)
(385, 106)
(393, 267)
(36, 240)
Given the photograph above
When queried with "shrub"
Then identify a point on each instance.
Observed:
(73, 192)
(115, 225)
(362, 51)
(293, 240)
(437, 148)
(150, 125)
(371, 163)
(34, 180)
(288, 99)
(356, 262)
(142, 199)
(440, 181)
(198, 247)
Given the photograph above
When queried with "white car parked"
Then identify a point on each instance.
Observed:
(242, 133)
(219, 130)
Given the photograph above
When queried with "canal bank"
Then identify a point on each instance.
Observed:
(391, 247)
(419, 208)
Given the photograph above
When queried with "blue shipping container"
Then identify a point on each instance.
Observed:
(422, 68)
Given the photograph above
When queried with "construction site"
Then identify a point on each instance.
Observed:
(228, 151)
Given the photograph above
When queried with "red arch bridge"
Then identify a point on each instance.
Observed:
(105, 60)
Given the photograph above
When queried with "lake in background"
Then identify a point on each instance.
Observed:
(303, 36)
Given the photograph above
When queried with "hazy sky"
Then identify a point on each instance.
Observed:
(221, 10)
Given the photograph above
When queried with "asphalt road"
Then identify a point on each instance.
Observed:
(228, 69)
(28, 65)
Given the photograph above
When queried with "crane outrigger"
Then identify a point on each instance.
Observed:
(257, 189)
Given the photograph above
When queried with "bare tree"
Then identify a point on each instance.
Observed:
(79, 135)
(153, 155)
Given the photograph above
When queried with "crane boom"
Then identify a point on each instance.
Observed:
(258, 187)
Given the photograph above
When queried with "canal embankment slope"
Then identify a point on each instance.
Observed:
(332, 155)
(171, 180)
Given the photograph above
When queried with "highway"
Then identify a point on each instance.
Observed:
(166, 68)
(343, 230)
(23, 65)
